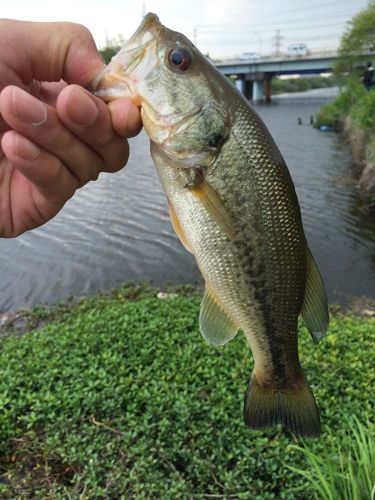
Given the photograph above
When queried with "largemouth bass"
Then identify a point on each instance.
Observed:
(233, 205)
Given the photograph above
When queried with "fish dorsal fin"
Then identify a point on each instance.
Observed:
(315, 307)
(178, 228)
(212, 202)
(215, 325)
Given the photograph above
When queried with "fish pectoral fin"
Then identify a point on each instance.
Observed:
(212, 202)
(215, 325)
(315, 306)
(178, 228)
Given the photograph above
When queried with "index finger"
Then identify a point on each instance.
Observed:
(48, 52)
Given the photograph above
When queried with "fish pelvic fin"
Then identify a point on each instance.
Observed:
(315, 305)
(216, 326)
(293, 407)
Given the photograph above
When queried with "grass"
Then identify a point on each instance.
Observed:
(119, 396)
(345, 473)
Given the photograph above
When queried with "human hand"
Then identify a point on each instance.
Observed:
(54, 137)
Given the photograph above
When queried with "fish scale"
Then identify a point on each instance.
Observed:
(233, 205)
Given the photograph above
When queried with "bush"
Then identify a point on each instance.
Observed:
(334, 113)
(119, 398)
(363, 112)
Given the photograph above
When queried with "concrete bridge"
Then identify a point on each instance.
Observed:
(254, 78)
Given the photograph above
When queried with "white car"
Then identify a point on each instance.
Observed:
(297, 50)
(250, 56)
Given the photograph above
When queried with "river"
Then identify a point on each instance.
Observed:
(118, 229)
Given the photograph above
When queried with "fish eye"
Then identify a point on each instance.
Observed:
(180, 58)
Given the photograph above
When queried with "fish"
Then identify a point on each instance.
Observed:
(233, 205)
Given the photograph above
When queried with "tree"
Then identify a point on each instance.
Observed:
(358, 42)
(112, 46)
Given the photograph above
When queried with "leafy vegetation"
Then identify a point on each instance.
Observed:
(347, 103)
(117, 397)
(357, 42)
(280, 86)
(111, 48)
(353, 110)
(108, 52)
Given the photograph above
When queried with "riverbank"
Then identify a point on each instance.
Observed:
(353, 113)
(118, 394)
(22, 321)
(293, 85)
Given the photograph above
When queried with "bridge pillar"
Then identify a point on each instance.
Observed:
(248, 89)
(240, 84)
(257, 90)
(268, 89)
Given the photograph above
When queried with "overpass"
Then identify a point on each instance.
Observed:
(254, 78)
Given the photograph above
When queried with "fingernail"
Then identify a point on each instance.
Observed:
(25, 149)
(81, 108)
(28, 109)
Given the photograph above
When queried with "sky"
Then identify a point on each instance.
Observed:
(221, 28)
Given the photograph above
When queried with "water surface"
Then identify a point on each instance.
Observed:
(118, 229)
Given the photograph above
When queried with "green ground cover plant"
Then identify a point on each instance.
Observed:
(119, 396)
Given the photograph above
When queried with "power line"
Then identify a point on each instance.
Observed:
(325, 4)
(301, 28)
(218, 27)
(277, 14)
(288, 39)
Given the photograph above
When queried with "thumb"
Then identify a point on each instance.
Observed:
(49, 51)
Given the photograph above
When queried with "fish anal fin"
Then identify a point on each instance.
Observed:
(315, 305)
(210, 199)
(178, 228)
(294, 407)
(215, 325)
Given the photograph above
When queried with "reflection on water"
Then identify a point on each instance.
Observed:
(118, 229)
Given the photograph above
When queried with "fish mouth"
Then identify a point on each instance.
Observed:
(131, 65)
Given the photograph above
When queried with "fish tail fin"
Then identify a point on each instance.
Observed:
(294, 407)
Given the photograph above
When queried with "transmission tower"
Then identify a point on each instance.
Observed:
(277, 43)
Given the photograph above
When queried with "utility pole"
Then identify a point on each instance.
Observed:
(143, 10)
(277, 42)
